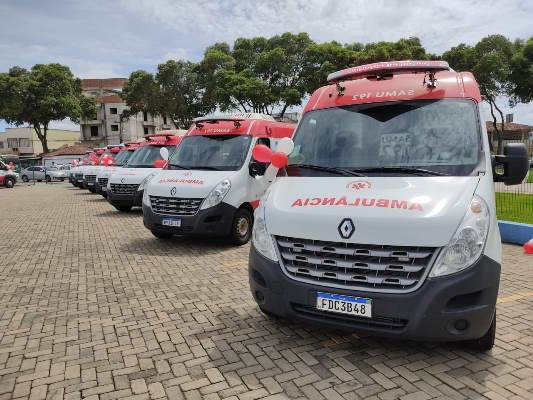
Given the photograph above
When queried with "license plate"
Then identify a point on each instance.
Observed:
(338, 303)
(80, 180)
(172, 222)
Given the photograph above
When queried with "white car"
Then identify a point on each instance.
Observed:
(41, 173)
(120, 161)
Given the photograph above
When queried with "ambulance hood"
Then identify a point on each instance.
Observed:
(188, 183)
(401, 211)
(131, 175)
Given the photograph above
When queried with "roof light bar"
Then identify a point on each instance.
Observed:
(382, 68)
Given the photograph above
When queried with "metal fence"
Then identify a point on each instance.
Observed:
(515, 203)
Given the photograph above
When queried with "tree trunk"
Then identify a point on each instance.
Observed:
(282, 113)
(500, 138)
(495, 125)
(42, 135)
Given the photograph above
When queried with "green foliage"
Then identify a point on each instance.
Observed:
(175, 91)
(48, 92)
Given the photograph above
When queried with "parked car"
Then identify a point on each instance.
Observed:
(8, 177)
(384, 220)
(40, 173)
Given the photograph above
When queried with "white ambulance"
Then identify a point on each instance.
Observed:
(211, 185)
(104, 160)
(8, 177)
(384, 221)
(118, 162)
(123, 187)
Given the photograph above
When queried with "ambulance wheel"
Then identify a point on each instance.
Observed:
(9, 183)
(486, 342)
(122, 208)
(241, 229)
(25, 179)
(161, 234)
(48, 178)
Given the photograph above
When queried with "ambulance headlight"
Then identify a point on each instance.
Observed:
(467, 243)
(146, 199)
(145, 181)
(217, 194)
(261, 239)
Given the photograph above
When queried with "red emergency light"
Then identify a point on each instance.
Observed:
(386, 68)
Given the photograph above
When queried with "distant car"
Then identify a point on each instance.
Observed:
(40, 173)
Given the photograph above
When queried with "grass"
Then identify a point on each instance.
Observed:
(515, 207)
(530, 176)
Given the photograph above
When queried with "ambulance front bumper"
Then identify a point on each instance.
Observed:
(214, 221)
(453, 308)
(130, 199)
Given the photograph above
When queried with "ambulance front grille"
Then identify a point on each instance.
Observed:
(363, 267)
(103, 181)
(175, 205)
(78, 176)
(124, 188)
(90, 178)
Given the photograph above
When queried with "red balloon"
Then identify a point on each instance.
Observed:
(262, 153)
(108, 160)
(279, 159)
(160, 163)
(528, 247)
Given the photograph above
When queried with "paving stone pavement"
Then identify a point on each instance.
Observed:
(92, 306)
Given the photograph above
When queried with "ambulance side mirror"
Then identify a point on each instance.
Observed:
(257, 168)
(515, 164)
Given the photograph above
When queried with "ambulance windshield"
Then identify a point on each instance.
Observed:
(145, 156)
(441, 137)
(211, 152)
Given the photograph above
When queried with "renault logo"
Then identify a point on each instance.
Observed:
(173, 191)
(346, 228)
(123, 180)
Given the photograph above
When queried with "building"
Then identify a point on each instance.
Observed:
(512, 132)
(64, 155)
(24, 141)
(108, 125)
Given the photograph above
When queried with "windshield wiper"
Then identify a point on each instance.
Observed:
(177, 166)
(334, 170)
(206, 167)
(407, 170)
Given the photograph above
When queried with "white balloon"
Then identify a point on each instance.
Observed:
(164, 153)
(285, 145)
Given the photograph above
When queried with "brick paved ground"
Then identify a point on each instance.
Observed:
(92, 306)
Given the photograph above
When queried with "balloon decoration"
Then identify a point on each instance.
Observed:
(528, 247)
(277, 159)
(11, 166)
(160, 163)
(107, 161)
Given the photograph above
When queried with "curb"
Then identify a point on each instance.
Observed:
(514, 232)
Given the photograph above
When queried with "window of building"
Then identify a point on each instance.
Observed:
(94, 131)
(145, 116)
(113, 110)
(1, 145)
(146, 130)
(114, 128)
(24, 142)
(165, 120)
(12, 143)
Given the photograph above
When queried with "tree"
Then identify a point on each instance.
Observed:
(489, 60)
(175, 92)
(521, 73)
(46, 93)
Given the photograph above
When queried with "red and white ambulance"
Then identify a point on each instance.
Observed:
(124, 187)
(211, 184)
(76, 172)
(105, 158)
(384, 220)
(116, 163)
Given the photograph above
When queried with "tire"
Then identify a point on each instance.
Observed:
(486, 342)
(241, 228)
(161, 234)
(62, 179)
(48, 178)
(122, 208)
(92, 190)
(25, 179)
(9, 183)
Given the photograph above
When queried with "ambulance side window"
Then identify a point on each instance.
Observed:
(265, 141)
(255, 167)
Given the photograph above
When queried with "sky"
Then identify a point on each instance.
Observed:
(112, 38)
